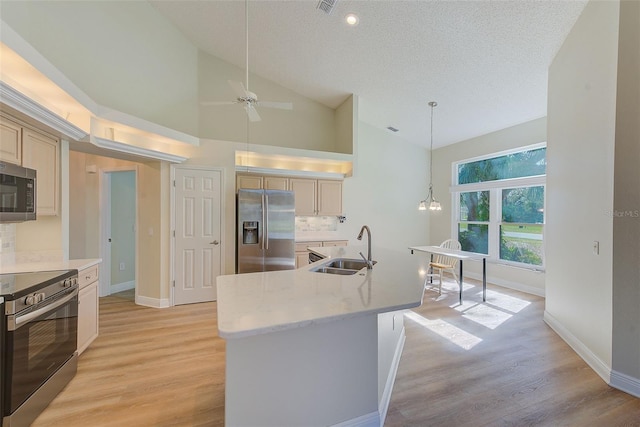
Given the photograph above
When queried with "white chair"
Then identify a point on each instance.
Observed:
(441, 263)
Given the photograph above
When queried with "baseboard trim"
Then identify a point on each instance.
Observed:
(152, 302)
(124, 286)
(625, 383)
(508, 284)
(391, 378)
(372, 419)
(582, 350)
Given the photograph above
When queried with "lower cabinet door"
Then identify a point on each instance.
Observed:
(87, 316)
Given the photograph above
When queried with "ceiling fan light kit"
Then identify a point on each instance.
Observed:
(248, 99)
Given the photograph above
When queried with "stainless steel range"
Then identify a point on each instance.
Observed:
(39, 341)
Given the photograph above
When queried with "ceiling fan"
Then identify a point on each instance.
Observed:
(248, 99)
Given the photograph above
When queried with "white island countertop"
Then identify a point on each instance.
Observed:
(259, 303)
(27, 267)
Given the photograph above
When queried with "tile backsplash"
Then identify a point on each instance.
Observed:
(7, 243)
(316, 223)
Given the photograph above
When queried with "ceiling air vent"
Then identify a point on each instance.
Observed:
(392, 129)
(327, 6)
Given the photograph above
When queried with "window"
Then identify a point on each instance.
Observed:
(500, 206)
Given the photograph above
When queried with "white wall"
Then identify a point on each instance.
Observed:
(580, 153)
(152, 235)
(626, 222)
(309, 125)
(388, 183)
(124, 55)
(528, 133)
(221, 154)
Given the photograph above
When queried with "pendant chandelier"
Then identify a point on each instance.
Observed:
(430, 202)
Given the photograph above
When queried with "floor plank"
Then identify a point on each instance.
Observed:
(482, 364)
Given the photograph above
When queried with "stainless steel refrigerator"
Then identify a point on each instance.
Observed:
(265, 231)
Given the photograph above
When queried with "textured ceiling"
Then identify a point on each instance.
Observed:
(484, 62)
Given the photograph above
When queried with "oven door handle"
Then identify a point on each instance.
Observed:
(14, 322)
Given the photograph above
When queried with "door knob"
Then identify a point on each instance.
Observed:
(215, 243)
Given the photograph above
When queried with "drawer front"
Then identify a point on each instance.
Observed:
(87, 276)
(335, 243)
(302, 246)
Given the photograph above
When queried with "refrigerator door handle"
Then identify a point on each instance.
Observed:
(266, 222)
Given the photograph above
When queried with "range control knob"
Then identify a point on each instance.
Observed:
(67, 283)
(40, 297)
(30, 300)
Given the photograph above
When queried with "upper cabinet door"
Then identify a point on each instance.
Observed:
(10, 142)
(329, 197)
(305, 194)
(40, 152)
(276, 183)
(248, 182)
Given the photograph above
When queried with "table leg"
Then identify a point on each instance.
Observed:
(484, 279)
(431, 271)
(460, 282)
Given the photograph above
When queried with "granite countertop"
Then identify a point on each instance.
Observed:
(24, 267)
(260, 303)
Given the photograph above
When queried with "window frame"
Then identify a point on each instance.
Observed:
(495, 188)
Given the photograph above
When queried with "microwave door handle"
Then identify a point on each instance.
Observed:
(14, 322)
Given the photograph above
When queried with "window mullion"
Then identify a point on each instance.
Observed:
(494, 224)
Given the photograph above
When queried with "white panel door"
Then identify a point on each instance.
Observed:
(198, 246)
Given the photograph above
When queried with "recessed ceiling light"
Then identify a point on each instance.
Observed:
(352, 19)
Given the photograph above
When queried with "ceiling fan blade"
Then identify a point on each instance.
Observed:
(280, 105)
(210, 103)
(252, 113)
(239, 89)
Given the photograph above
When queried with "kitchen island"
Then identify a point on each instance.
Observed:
(305, 348)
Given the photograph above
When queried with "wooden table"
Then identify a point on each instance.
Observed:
(461, 256)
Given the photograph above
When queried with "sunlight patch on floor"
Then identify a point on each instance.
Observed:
(446, 330)
(483, 314)
(495, 311)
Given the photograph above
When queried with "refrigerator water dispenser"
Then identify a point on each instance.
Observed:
(250, 232)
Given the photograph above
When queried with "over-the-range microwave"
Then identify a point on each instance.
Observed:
(17, 193)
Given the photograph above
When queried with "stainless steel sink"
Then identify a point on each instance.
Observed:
(343, 266)
(331, 270)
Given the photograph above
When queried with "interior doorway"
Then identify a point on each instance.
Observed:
(118, 230)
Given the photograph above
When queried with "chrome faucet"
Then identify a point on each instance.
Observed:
(368, 259)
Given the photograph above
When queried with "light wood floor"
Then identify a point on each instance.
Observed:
(492, 364)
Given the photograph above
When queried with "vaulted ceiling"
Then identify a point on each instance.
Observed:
(484, 62)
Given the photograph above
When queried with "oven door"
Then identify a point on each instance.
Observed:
(38, 344)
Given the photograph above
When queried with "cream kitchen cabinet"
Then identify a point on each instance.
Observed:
(40, 152)
(87, 307)
(306, 194)
(302, 249)
(35, 150)
(248, 182)
(276, 183)
(257, 182)
(302, 252)
(329, 197)
(10, 142)
(317, 197)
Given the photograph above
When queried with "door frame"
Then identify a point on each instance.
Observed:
(105, 226)
(172, 203)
